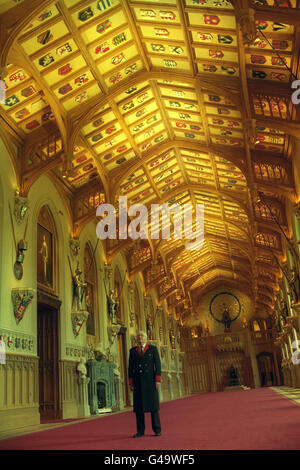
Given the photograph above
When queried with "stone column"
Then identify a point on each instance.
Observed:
(84, 408)
(179, 385)
(252, 355)
(119, 391)
(212, 363)
(160, 393)
(170, 385)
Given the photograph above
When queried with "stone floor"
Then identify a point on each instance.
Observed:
(44, 427)
(289, 392)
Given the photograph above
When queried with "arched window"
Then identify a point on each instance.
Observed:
(91, 288)
(46, 247)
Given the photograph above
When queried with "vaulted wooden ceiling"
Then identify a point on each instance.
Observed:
(181, 101)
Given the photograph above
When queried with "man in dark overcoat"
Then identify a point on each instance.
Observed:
(144, 373)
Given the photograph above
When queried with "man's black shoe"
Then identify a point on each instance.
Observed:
(138, 434)
(158, 433)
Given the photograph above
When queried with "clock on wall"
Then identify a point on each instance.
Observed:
(225, 308)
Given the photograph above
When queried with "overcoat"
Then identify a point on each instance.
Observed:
(144, 371)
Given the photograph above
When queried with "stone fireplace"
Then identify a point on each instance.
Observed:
(101, 385)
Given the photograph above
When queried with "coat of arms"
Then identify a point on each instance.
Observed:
(21, 298)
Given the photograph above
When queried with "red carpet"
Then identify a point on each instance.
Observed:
(258, 419)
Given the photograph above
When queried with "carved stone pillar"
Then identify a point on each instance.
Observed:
(170, 385)
(253, 360)
(131, 304)
(83, 408)
(179, 385)
(160, 393)
(118, 389)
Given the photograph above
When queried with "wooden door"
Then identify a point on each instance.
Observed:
(47, 343)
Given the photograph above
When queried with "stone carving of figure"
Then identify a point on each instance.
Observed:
(226, 318)
(44, 253)
(78, 291)
(149, 327)
(82, 368)
(113, 305)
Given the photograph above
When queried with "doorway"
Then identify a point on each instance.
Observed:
(266, 369)
(48, 352)
(123, 364)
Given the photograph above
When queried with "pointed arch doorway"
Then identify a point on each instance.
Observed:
(48, 353)
(48, 308)
(122, 357)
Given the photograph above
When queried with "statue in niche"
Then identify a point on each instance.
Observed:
(226, 318)
(79, 287)
(113, 305)
(149, 327)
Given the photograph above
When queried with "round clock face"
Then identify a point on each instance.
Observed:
(225, 307)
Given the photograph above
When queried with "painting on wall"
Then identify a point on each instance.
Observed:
(44, 257)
